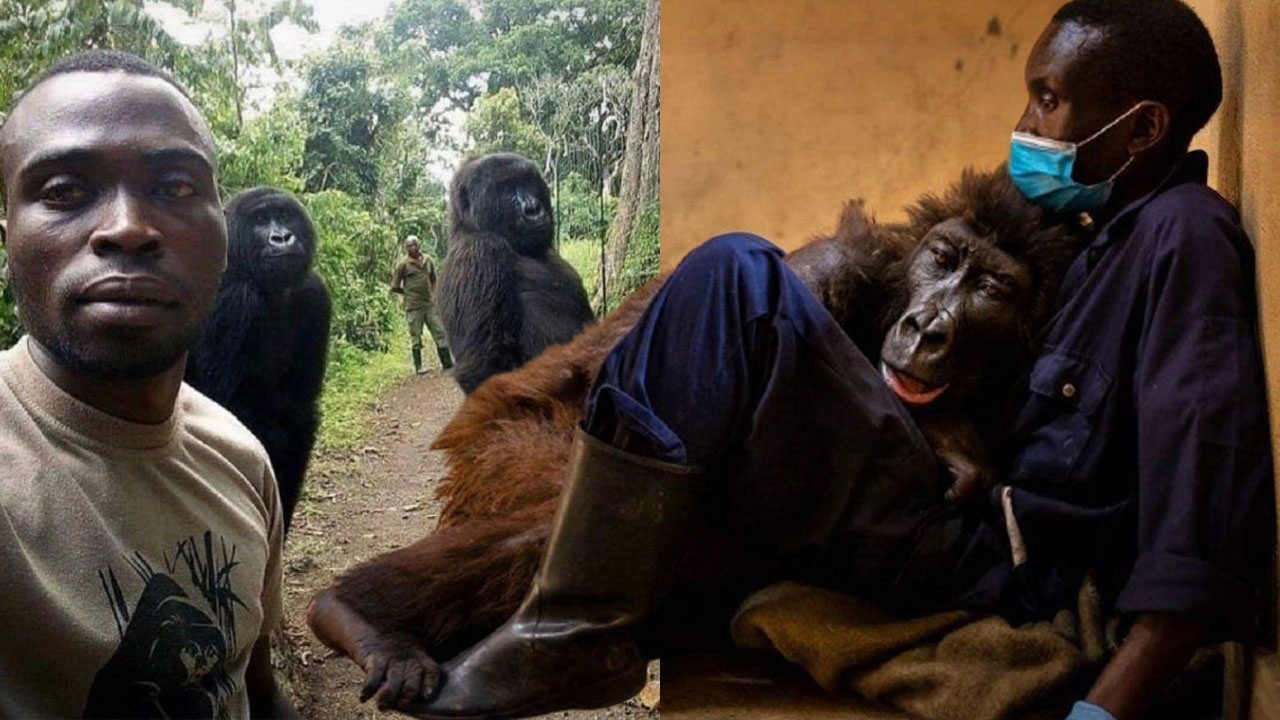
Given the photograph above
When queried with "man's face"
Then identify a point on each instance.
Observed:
(116, 238)
(1065, 102)
(414, 250)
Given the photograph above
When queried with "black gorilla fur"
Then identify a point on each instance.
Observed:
(504, 293)
(262, 352)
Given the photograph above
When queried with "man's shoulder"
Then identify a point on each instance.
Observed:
(1190, 204)
(1191, 218)
(216, 427)
(19, 425)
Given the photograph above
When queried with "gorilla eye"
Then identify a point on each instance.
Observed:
(64, 193)
(992, 288)
(942, 255)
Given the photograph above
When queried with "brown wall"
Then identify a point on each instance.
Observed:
(1244, 140)
(775, 112)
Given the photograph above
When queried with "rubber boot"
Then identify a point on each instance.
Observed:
(417, 362)
(446, 360)
(611, 548)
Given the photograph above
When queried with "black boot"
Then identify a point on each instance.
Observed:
(611, 549)
(417, 362)
(446, 360)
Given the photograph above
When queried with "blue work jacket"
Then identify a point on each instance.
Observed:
(1141, 448)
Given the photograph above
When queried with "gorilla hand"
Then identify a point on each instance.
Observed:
(398, 671)
(959, 448)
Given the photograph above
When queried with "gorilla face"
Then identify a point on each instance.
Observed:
(504, 194)
(968, 303)
(271, 237)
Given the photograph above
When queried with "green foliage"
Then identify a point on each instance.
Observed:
(496, 124)
(10, 329)
(345, 116)
(35, 33)
(584, 256)
(248, 42)
(641, 263)
(268, 151)
(582, 210)
(354, 381)
(355, 257)
(456, 50)
(410, 197)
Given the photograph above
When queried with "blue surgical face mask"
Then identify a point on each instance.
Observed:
(1042, 168)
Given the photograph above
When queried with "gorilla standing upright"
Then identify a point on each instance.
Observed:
(262, 352)
(504, 293)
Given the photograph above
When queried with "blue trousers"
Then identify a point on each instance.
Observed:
(818, 472)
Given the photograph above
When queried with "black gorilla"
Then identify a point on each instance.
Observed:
(504, 293)
(262, 352)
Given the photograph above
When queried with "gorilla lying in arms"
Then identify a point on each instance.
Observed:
(948, 303)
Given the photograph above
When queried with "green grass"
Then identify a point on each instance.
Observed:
(584, 256)
(355, 380)
(640, 265)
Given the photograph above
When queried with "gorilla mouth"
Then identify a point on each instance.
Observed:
(911, 390)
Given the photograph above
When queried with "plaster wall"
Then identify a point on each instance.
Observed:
(1244, 142)
(775, 113)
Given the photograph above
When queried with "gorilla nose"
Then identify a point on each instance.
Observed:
(281, 238)
(927, 333)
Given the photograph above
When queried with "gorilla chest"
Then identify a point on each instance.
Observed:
(273, 342)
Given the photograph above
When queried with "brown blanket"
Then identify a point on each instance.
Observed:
(949, 666)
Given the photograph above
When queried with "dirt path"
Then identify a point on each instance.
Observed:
(359, 504)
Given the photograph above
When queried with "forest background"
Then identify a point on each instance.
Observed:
(367, 130)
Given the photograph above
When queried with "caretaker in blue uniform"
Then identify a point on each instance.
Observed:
(1140, 446)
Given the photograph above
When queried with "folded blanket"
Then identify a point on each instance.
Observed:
(949, 666)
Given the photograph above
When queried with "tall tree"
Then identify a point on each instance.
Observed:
(639, 194)
(248, 25)
(348, 113)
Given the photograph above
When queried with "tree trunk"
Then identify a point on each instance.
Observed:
(640, 159)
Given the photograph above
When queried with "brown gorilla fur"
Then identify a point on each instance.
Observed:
(507, 447)
(508, 444)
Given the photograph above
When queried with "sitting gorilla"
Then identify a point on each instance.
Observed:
(262, 352)
(504, 293)
(948, 303)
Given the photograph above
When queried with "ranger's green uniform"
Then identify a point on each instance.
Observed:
(416, 279)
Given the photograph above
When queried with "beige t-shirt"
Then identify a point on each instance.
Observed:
(139, 563)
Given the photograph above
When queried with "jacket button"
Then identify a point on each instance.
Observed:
(1068, 390)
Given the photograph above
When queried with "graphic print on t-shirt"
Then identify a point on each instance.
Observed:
(172, 659)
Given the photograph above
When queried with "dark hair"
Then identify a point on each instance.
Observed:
(1154, 50)
(96, 61)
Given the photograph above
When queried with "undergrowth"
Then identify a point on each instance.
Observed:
(356, 379)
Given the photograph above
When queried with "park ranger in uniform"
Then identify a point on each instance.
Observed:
(415, 279)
